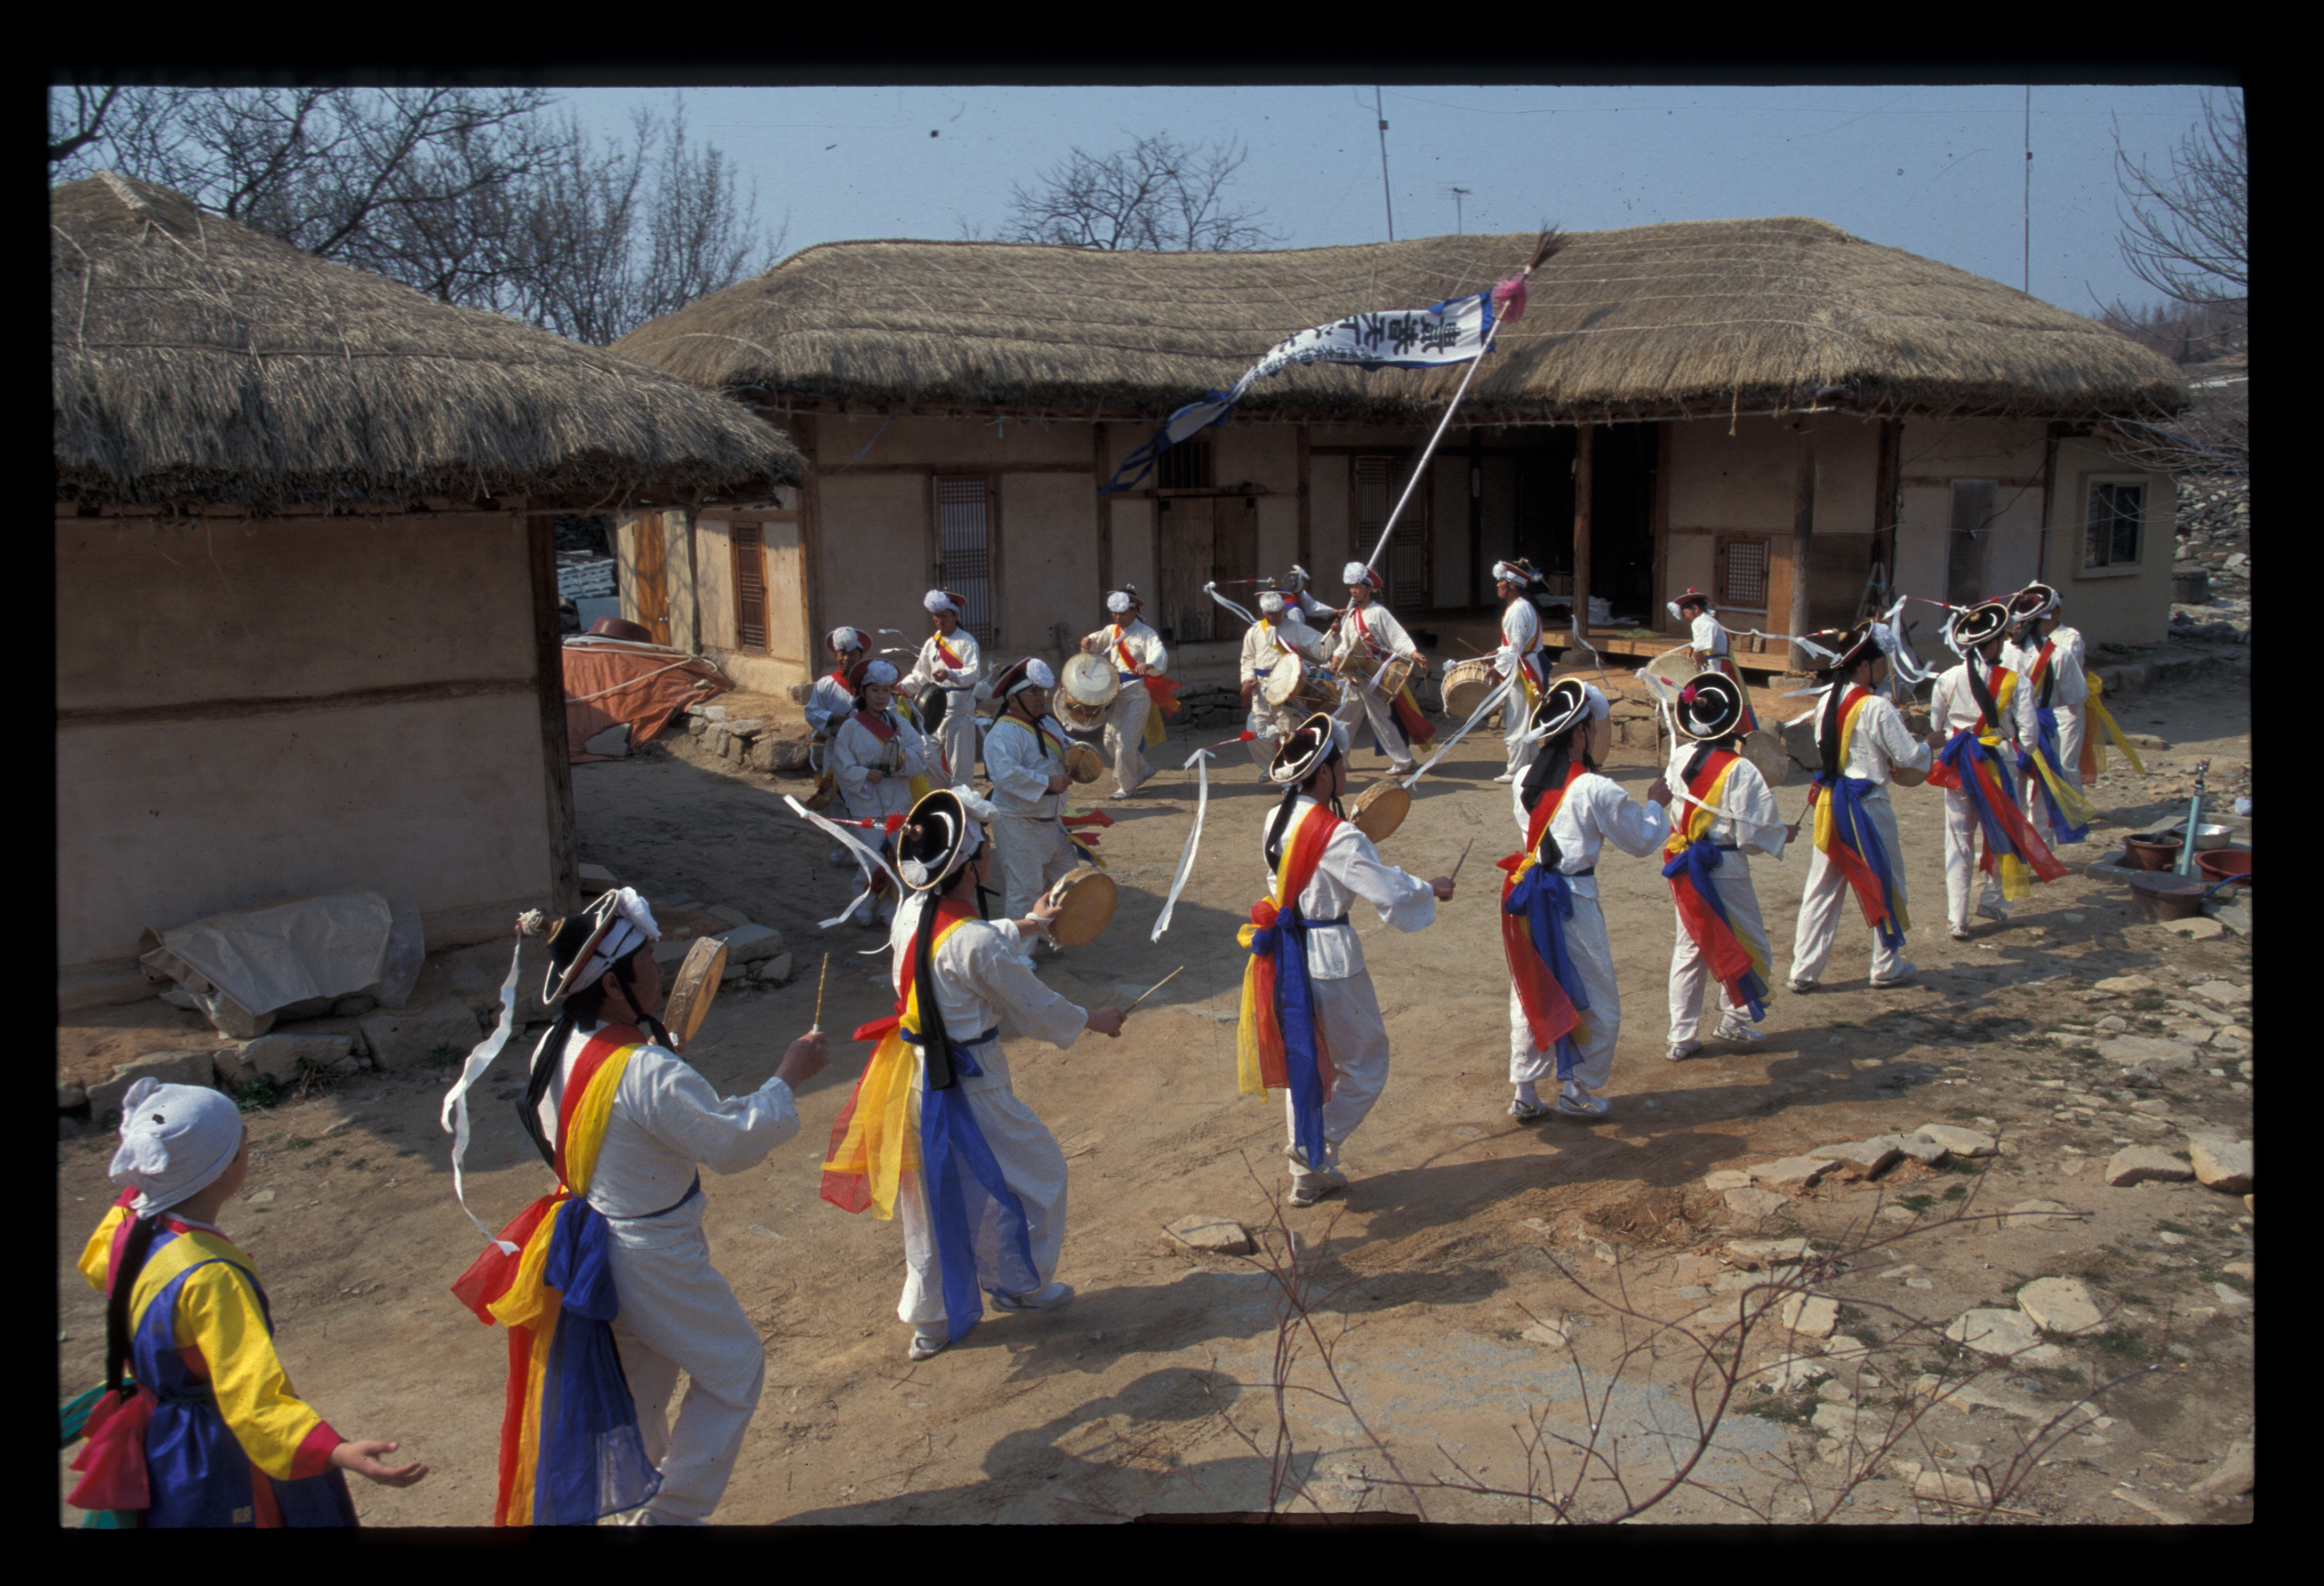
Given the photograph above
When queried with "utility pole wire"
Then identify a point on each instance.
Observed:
(1381, 117)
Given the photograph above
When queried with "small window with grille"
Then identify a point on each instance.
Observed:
(750, 587)
(1185, 467)
(964, 551)
(2111, 530)
(1743, 574)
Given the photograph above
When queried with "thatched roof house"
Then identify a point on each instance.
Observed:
(1771, 409)
(1653, 321)
(306, 596)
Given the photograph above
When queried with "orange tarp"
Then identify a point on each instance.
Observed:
(609, 681)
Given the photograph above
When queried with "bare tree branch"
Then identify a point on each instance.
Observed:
(2187, 230)
(1157, 196)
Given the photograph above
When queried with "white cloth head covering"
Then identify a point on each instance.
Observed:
(1510, 573)
(175, 1142)
(1035, 675)
(881, 672)
(939, 601)
(845, 639)
(1356, 572)
(1269, 602)
(1298, 575)
(1118, 603)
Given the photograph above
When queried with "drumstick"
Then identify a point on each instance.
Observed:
(816, 1028)
(1457, 863)
(1157, 986)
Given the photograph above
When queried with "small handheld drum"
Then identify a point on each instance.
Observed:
(1284, 681)
(696, 985)
(1083, 763)
(1905, 776)
(1379, 810)
(1084, 900)
(1766, 752)
(1467, 683)
(1395, 673)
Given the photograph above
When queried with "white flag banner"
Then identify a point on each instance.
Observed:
(1451, 332)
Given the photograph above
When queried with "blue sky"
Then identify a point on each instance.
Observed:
(1936, 169)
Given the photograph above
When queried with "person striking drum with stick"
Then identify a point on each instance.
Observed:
(1369, 631)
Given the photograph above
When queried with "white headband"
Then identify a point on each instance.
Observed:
(1356, 572)
(1505, 574)
(880, 672)
(1037, 676)
(845, 638)
(1270, 600)
(1117, 602)
(175, 1142)
(938, 602)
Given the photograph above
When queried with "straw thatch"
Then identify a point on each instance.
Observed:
(1652, 321)
(196, 361)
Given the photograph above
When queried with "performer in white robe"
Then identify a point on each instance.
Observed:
(979, 975)
(1024, 752)
(676, 1313)
(1572, 729)
(1521, 651)
(877, 753)
(1954, 707)
(1371, 629)
(1709, 716)
(2051, 664)
(1136, 651)
(1276, 633)
(1313, 769)
(827, 703)
(1302, 600)
(950, 661)
(1708, 641)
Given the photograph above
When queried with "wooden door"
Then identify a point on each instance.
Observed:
(1184, 540)
(649, 579)
(1405, 567)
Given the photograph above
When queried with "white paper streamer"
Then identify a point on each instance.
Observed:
(1212, 591)
(456, 1104)
(1193, 838)
(866, 857)
(1492, 699)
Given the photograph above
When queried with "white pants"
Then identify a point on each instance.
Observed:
(677, 1314)
(1273, 724)
(1033, 1167)
(1347, 1013)
(1125, 735)
(1593, 962)
(1516, 713)
(1689, 969)
(1966, 888)
(957, 734)
(1034, 853)
(1828, 894)
(1378, 708)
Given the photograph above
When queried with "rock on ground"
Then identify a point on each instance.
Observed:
(2222, 1165)
(2234, 1475)
(1960, 1141)
(2059, 1305)
(2137, 1163)
(1858, 1158)
(1212, 1234)
(1756, 1202)
(1791, 1174)
(412, 1037)
(1993, 1332)
(277, 1056)
(2147, 1052)
(1811, 1315)
(169, 1068)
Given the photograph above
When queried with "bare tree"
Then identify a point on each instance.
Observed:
(475, 196)
(1156, 196)
(2186, 231)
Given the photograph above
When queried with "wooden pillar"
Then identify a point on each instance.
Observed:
(548, 661)
(1802, 531)
(1469, 590)
(1104, 511)
(1583, 473)
(1883, 500)
(1306, 514)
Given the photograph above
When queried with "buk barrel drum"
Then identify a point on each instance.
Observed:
(1083, 763)
(691, 994)
(1467, 683)
(1319, 692)
(1905, 776)
(1085, 692)
(1395, 673)
(1379, 810)
(1084, 900)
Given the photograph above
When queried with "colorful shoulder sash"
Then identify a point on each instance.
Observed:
(1692, 860)
(2067, 813)
(1846, 836)
(1279, 1042)
(1537, 900)
(1971, 762)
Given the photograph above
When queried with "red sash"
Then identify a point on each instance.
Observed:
(1549, 1010)
(945, 651)
(879, 726)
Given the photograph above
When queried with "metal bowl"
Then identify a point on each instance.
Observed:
(2207, 836)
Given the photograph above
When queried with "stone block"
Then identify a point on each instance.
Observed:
(2125, 986)
(773, 971)
(2061, 1305)
(1811, 1315)
(1756, 1202)
(732, 916)
(1791, 1174)
(71, 1093)
(412, 1037)
(1209, 1234)
(1945, 1486)
(1755, 1253)
(613, 741)
(2137, 1163)
(1858, 1158)
(747, 944)
(1960, 1141)
(277, 1056)
(1919, 1148)
(353, 1005)
(169, 1068)
(595, 878)
(2223, 994)
(1992, 1332)
(2038, 1214)
(2223, 1165)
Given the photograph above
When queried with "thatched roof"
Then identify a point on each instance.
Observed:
(1699, 316)
(197, 361)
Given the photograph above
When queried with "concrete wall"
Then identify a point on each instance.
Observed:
(1329, 510)
(1048, 562)
(2110, 605)
(408, 757)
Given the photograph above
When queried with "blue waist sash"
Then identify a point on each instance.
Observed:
(984, 1238)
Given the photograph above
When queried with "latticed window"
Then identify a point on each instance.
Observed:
(1743, 574)
(1185, 467)
(2111, 536)
(964, 551)
(750, 587)
(1379, 480)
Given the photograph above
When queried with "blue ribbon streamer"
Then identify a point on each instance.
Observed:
(1852, 828)
(593, 1459)
(1697, 862)
(1294, 1015)
(984, 1238)
(1544, 898)
(2046, 745)
(1960, 754)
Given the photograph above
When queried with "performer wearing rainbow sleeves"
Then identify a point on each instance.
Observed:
(1863, 742)
(203, 1428)
(606, 1284)
(1729, 812)
(1311, 1024)
(933, 1129)
(1565, 1012)
(1984, 717)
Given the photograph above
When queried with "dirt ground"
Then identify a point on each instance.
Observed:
(1483, 1289)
